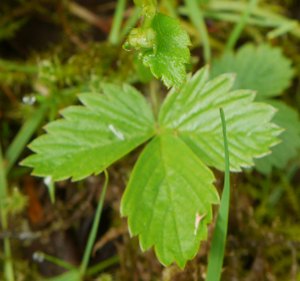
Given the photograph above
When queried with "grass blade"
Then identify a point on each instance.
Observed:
(103, 265)
(235, 34)
(93, 233)
(215, 262)
(130, 23)
(114, 35)
(23, 136)
(197, 18)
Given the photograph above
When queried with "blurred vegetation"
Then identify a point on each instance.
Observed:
(51, 50)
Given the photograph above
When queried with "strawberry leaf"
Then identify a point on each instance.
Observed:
(165, 204)
(287, 118)
(193, 113)
(263, 69)
(168, 60)
(91, 138)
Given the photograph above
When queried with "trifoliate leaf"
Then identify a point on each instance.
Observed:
(263, 69)
(168, 200)
(167, 60)
(91, 138)
(288, 119)
(193, 114)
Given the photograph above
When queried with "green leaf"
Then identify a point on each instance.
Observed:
(144, 74)
(167, 61)
(169, 188)
(193, 113)
(263, 69)
(287, 118)
(91, 138)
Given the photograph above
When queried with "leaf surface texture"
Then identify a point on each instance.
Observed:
(92, 137)
(193, 112)
(287, 118)
(168, 63)
(163, 203)
(264, 69)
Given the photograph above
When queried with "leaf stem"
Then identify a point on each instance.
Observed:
(235, 34)
(8, 266)
(92, 236)
(114, 35)
(154, 98)
(197, 18)
(219, 238)
(23, 136)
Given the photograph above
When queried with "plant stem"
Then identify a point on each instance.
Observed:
(11, 66)
(197, 19)
(154, 98)
(235, 34)
(8, 266)
(131, 22)
(283, 29)
(229, 11)
(219, 238)
(23, 136)
(102, 265)
(114, 35)
(92, 236)
(39, 255)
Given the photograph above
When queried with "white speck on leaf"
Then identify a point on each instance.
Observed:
(198, 220)
(47, 180)
(119, 135)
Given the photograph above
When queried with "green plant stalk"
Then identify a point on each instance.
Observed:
(233, 17)
(8, 266)
(114, 35)
(215, 262)
(197, 19)
(269, 17)
(23, 136)
(11, 66)
(283, 29)
(240, 7)
(55, 260)
(103, 265)
(92, 236)
(131, 22)
(154, 98)
(230, 11)
(235, 34)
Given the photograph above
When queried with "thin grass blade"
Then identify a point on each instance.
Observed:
(215, 262)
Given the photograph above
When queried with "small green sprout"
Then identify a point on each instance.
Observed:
(141, 39)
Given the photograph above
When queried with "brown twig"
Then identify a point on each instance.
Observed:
(74, 38)
(108, 236)
(9, 93)
(85, 14)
